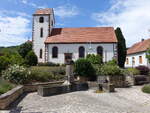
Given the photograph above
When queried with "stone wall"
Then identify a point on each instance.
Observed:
(9, 97)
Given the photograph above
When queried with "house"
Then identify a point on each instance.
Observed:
(136, 55)
(58, 45)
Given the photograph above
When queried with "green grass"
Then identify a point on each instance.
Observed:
(5, 86)
(47, 73)
(146, 89)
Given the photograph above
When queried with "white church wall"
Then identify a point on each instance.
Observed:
(108, 51)
(137, 62)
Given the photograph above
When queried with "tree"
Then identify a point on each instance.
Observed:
(4, 63)
(16, 59)
(31, 59)
(25, 48)
(122, 51)
(148, 55)
(94, 59)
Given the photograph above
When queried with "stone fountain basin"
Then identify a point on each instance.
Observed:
(49, 90)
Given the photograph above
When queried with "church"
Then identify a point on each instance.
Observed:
(58, 45)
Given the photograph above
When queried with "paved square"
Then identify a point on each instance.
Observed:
(125, 100)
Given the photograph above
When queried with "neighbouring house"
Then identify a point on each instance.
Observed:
(136, 55)
(58, 45)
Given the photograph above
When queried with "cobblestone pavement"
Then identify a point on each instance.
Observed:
(125, 100)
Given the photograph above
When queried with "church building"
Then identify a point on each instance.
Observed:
(58, 45)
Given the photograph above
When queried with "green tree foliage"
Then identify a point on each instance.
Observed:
(25, 48)
(4, 63)
(121, 48)
(84, 68)
(16, 59)
(148, 55)
(31, 59)
(94, 59)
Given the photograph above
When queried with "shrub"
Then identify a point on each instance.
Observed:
(110, 70)
(133, 71)
(146, 89)
(143, 70)
(16, 74)
(84, 68)
(4, 62)
(94, 59)
(31, 59)
(112, 62)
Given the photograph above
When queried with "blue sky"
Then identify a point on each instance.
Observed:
(131, 15)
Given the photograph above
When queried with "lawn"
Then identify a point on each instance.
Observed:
(5, 86)
(47, 73)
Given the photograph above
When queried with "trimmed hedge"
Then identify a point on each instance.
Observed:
(146, 89)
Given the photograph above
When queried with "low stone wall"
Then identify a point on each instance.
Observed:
(34, 87)
(61, 89)
(9, 97)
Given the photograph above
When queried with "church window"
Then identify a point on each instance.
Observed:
(41, 53)
(41, 32)
(81, 52)
(100, 51)
(41, 19)
(54, 52)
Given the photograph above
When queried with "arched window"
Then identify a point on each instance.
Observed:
(100, 51)
(41, 32)
(81, 52)
(41, 52)
(54, 52)
(41, 19)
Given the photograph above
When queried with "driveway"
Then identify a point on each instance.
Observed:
(124, 100)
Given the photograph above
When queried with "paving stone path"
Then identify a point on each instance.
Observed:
(125, 100)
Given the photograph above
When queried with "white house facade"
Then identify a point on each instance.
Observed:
(58, 45)
(136, 55)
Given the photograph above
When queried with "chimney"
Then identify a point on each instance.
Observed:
(142, 39)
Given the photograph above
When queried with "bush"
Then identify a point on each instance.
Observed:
(45, 74)
(48, 64)
(4, 62)
(133, 71)
(143, 70)
(84, 68)
(16, 74)
(146, 89)
(94, 59)
(31, 59)
(110, 70)
(112, 62)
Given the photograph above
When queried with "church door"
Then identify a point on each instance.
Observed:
(68, 57)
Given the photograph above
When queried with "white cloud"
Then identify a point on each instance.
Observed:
(29, 3)
(13, 29)
(132, 16)
(67, 10)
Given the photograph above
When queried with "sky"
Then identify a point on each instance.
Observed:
(132, 16)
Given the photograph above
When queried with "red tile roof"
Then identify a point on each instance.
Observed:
(139, 47)
(82, 35)
(44, 11)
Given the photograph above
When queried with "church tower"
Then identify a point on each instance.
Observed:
(43, 22)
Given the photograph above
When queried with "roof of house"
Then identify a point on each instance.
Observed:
(139, 47)
(82, 35)
(44, 11)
